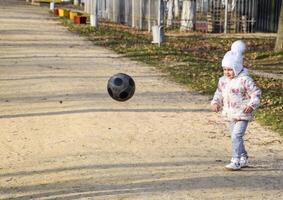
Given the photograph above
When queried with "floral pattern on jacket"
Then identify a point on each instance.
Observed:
(234, 95)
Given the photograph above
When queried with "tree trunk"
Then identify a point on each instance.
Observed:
(93, 13)
(76, 2)
(170, 13)
(279, 40)
(110, 9)
(104, 9)
(188, 19)
(176, 8)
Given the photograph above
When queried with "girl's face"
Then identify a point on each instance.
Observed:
(228, 72)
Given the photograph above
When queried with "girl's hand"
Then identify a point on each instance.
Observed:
(215, 108)
(248, 109)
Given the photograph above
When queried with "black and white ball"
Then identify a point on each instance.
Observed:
(121, 87)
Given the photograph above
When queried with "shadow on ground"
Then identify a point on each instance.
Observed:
(149, 181)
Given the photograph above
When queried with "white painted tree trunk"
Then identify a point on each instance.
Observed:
(93, 13)
(226, 17)
(110, 9)
(279, 39)
(176, 8)
(133, 14)
(104, 8)
(114, 16)
(149, 16)
(127, 12)
(76, 2)
(117, 10)
(86, 6)
(170, 6)
(140, 15)
(188, 18)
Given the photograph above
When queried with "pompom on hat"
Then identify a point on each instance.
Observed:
(238, 46)
(234, 58)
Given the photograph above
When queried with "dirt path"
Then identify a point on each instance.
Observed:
(164, 143)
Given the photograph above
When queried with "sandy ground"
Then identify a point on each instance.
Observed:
(63, 137)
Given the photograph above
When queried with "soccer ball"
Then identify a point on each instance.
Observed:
(121, 87)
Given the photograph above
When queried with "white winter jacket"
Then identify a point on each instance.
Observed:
(234, 95)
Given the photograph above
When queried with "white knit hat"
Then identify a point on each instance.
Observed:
(234, 57)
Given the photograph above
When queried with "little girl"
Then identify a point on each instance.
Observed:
(238, 96)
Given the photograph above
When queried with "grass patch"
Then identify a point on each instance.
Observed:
(193, 61)
(269, 55)
(270, 112)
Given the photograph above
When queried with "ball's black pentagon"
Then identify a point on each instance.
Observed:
(121, 87)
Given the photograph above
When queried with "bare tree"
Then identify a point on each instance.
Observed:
(172, 11)
(279, 40)
(188, 19)
(170, 7)
(176, 8)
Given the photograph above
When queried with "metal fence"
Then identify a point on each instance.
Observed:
(268, 15)
(210, 15)
(239, 15)
(230, 15)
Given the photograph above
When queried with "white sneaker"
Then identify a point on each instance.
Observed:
(244, 161)
(234, 165)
